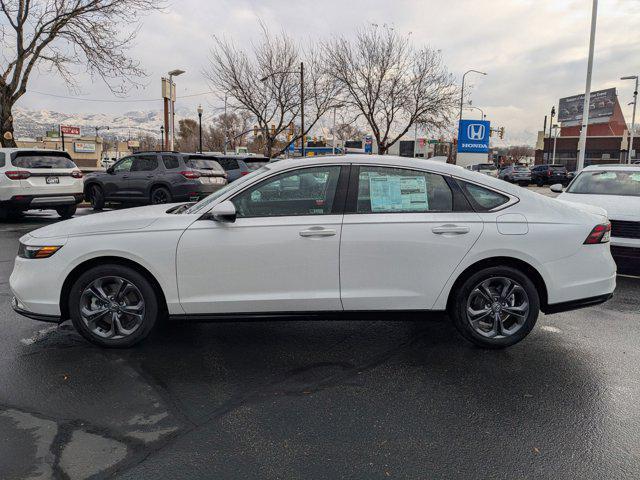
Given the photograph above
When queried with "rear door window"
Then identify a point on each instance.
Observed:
(399, 190)
(41, 160)
(144, 163)
(228, 163)
(170, 162)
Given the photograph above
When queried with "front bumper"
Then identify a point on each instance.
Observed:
(15, 304)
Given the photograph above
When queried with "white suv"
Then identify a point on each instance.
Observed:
(38, 179)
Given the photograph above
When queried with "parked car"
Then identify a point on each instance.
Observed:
(616, 188)
(38, 179)
(324, 236)
(234, 166)
(155, 178)
(516, 174)
(486, 168)
(549, 174)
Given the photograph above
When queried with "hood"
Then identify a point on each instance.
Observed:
(618, 207)
(115, 221)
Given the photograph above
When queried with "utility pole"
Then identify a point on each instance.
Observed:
(200, 127)
(553, 114)
(633, 118)
(225, 124)
(302, 148)
(582, 144)
(544, 145)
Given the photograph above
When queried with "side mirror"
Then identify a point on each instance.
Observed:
(110, 170)
(223, 212)
(557, 188)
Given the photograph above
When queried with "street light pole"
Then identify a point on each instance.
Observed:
(462, 91)
(582, 144)
(162, 136)
(172, 125)
(200, 127)
(225, 124)
(551, 124)
(633, 117)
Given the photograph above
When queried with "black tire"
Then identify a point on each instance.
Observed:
(159, 196)
(144, 288)
(66, 211)
(459, 305)
(524, 184)
(96, 197)
(508, 179)
(8, 214)
(540, 182)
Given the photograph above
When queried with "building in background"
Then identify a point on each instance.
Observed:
(607, 133)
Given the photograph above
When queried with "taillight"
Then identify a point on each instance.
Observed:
(190, 174)
(76, 174)
(17, 174)
(549, 173)
(242, 174)
(599, 234)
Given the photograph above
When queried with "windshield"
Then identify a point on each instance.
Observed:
(521, 169)
(612, 182)
(487, 166)
(33, 160)
(204, 203)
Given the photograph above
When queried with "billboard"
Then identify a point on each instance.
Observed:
(70, 130)
(84, 147)
(601, 104)
(473, 136)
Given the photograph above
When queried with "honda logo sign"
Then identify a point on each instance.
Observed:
(475, 131)
(473, 136)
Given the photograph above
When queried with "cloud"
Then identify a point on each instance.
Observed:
(534, 51)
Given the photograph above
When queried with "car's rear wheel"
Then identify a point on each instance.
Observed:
(160, 195)
(540, 182)
(113, 306)
(97, 198)
(66, 211)
(495, 307)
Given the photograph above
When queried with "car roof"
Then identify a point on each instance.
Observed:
(25, 149)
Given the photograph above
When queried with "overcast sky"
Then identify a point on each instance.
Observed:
(534, 51)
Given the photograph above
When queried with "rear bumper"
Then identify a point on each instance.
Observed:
(25, 202)
(576, 304)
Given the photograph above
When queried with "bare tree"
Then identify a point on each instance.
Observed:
(266, 84)
(58, 35)
(348, 131)
(188, 135)
(518, 153)
(390, 83)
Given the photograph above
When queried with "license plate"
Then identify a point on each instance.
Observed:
(51, 180)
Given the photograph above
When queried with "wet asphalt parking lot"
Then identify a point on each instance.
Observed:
(398, 398)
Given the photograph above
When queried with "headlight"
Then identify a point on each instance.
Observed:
(33, 251)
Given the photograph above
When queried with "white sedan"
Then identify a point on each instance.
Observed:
(616, 188)
(332, 235)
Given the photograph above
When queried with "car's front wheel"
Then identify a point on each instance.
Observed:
(113, 306)
(97, 198)
(495, 307)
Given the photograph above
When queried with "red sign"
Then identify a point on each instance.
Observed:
(69, 130)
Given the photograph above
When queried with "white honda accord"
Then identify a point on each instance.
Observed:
(319, 237)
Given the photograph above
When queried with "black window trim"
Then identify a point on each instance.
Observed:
(337, 208)
(512, 198)
(351, 207)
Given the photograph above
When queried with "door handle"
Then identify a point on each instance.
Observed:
(318, 232)
(451, 229)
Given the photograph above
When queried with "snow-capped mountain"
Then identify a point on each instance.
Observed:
(35, 123)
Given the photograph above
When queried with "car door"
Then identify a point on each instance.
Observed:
(143, 171)
(115, 183)
(404, 232)
(280, 255)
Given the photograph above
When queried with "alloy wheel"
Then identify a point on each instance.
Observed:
(497, 307)
(159, 196)
(112, 307)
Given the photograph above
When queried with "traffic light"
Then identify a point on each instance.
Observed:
(291, 129)
(501, 133)
(273, 130)
(255, 130)
(491, 130)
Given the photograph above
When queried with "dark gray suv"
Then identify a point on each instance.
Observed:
(155, 178)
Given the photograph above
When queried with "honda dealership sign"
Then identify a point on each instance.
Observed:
(473, 136)
(600, 105)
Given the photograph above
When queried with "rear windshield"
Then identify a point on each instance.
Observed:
(618, 182)
(487, 166)
(228, 163)
(42, 160)
(521, 169)
(203, 163)
(557, 167)
(254, 163)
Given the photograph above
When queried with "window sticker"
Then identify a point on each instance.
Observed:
(395, 193)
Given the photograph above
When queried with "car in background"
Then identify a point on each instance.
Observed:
(549, 174)
(616, 188)
(155, 178)
(516, 174)
(234, 166)
(486, 168)
(324, 236)
(38, 179)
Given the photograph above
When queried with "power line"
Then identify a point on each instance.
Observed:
(115, 100)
